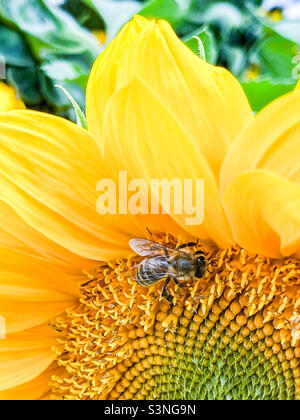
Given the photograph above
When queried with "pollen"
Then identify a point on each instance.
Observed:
(234, 334)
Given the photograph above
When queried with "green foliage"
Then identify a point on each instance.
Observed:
(208, 41)
(42, 46)
(173, 11)
(114, 13)
(45, 45)
(263, 90)
(80, 117)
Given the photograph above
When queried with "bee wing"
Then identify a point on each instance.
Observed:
(159, 267)
(147, 248)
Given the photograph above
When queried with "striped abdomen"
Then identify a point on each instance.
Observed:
(151, 270)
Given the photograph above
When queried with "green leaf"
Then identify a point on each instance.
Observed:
(236, 58)
(68, 74)
(62, 52)
(275, 56)
(48, 29)
(114, 13)
(223, 13)
(62, 69)
(81, 120)
(261, 91)
(174, 11)
(14, 49)
(54, 97)
(289, 29)
(84, 14)
(208, 42)
(25, 81)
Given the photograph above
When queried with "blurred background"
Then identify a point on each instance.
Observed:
(49, 42)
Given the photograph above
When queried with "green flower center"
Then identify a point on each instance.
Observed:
(233, 334)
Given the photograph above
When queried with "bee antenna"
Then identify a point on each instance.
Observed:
(149, 231)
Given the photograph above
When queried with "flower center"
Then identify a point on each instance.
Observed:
(234, 334)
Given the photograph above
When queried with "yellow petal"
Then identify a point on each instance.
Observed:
(271, 142)
(25, 356)
(264, 213)
(298, 84)
(49, 172)
(206, 101)
(32, 291)
(103, 77)
(36, 389)
(149, 142)
(9, 99)
(15, 234)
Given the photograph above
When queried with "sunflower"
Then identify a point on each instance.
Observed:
(77, 327)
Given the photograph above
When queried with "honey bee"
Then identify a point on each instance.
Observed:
(162, 262)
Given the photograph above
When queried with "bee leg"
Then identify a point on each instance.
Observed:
(188, 244)
(164, 293)
(178, 282)
(199, 253)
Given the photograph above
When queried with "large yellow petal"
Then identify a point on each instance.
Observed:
(32, 291)
(25, 356)
(103, 77)
(150, 143)
(9, 99)
(206, 101)
(271, 142)
(17, 235)
(264, 213)
(49, 172)
(36, 389)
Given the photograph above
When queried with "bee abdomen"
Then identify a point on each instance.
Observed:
(150, 271)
